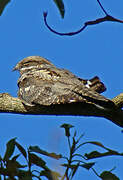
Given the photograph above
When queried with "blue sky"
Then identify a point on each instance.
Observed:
(95, 51)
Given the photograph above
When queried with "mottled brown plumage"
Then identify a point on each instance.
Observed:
(42, 83)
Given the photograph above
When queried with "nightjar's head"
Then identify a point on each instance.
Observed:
(32, 63)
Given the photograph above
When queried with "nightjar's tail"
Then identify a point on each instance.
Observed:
(94, 84)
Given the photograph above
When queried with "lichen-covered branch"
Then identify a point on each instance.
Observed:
(118, 100)
(9, 104)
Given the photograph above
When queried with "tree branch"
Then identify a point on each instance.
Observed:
(107, 17)
(118, 100)
(9, 104)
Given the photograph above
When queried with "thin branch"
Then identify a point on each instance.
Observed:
(9, 104)
(102, 7)
(95, 172)
(93, 22)
(118, 100)
(69, 142)
(58, 33)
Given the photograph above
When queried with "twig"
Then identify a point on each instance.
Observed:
(58, 33)
(95, 172)
(93, 22)
(102, 7)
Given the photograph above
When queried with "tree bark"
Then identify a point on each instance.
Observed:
(9, 104)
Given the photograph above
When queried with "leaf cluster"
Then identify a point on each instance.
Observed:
(36, 167)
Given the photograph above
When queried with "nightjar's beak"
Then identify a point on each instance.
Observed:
(15, 68)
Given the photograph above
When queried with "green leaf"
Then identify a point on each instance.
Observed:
(13, 164)
(75, 169)
(100, 145)
(10, 147)
(106, 175)
(34, 159)
(38, 150)
(93, 154)
(72, 166)
(21, 149)
(60, 5)
(67, 129)
(87, 165)
(96, 154)
(97, 144)
(3, 3)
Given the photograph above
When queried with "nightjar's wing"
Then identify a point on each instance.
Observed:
(48, 87)
(41, 91)
(34, 90)
(93, 97)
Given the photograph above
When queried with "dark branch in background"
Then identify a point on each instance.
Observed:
(102, 7)
(61, 34)
(93, 22)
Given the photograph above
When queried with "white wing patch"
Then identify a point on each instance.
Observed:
(88, 84)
